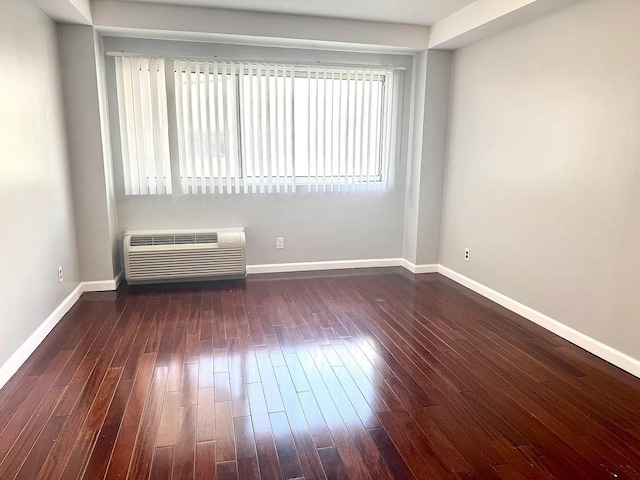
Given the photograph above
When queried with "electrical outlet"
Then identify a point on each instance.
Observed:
(467, 257)
(60, 275)
(279, 242)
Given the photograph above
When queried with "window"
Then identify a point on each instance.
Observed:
(194, 126)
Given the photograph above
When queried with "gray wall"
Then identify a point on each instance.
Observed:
(543, 173)
(35, 195)
(315, 226)
(107, 153)
(434, 148)
(414, 165)
(428, 140)
(90, 156)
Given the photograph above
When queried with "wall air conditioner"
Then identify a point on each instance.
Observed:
(184, 255)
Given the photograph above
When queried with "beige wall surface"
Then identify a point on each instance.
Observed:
(38, 232)
(543, 171)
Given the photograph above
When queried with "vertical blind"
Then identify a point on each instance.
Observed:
(244, 127)
(142, 111)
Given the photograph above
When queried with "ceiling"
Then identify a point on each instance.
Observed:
(414, 12)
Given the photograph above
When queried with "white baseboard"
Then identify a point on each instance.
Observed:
(103, 285)
(331, 265)
(21, 355)
(11, 366)
(99, 286)
(425, 268)
(611, 355)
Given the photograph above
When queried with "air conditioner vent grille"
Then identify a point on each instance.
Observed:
(199, 264)
(207, 238)
(180, 239)
(141, 241)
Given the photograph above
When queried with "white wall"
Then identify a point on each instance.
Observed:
(35, 195)
(543, 171)
(316, 226)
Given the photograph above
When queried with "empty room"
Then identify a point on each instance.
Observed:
(280, 239)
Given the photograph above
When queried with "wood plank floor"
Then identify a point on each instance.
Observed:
(374, 374)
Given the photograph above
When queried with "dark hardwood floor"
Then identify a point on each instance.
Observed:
(373, 374)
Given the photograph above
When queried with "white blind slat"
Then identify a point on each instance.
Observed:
(324, 131)
(268, 133)
(216, 129)
(292, 129)
(180, 112)
(331, 131)
(123, 102)
(316, 126)
(234, 130)
(353, 138)
(390, 120)
(340, 136)
(377, 130)
(191, 171)
(308, 163)
(369, 120)
(172, 141)
(276, 122)
(260, 120)
(244, 147)
(136, 79)
(360, 129)
(225, 128)
(289, 180)
(207, 161)
(252, 132)
(166, 125)
(200, 141)
(157, 131)
(147, 128)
